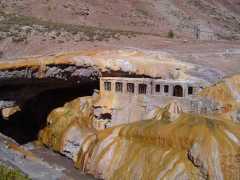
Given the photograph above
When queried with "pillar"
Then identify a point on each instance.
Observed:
(170, 90)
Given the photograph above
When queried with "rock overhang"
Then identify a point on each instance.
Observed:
(83, 67)
(155, 64)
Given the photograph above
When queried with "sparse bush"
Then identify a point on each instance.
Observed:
(10, 174)
(20, 38)
(87, 33)
(171, 34)
(142, 12)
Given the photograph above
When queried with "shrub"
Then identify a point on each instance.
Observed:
(11, 174)
(171, 34)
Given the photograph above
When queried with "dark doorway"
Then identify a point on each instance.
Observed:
(178, 91)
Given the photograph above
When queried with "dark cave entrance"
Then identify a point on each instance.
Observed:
(25, 125)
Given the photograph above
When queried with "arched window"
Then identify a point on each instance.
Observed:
(178, 91)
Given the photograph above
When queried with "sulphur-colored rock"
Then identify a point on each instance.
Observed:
(227, 94)
(171, 145)
(64, 125)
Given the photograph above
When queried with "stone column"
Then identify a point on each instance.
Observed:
(113, 88)
(185, 90)
(135, 88)
(101, 86)
(161, 89)
(170, 89)
(149, 88)
(124, 86)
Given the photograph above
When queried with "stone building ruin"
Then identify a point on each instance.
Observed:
(148, 86)
(133, 99)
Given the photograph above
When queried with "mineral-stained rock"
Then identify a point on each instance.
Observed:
(66, 125)
(174, 110)
(171, 145)
(73, 137)
(226, 93)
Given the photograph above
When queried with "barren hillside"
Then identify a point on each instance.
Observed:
(33, 27)
(220, 18)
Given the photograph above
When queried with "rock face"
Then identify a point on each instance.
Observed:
(34, 75)
(77, 117)
(227, 93)
(171, 145)
(174, 110)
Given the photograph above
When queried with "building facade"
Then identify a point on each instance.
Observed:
(148, 86)
(132, 99)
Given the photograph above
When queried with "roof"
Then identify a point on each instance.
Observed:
(167, 81)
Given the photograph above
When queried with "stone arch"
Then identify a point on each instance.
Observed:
(178, 91)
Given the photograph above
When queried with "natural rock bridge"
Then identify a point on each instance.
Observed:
(37, 87)
(21, 81)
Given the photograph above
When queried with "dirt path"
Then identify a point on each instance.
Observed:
(45, 165)
(55, 159)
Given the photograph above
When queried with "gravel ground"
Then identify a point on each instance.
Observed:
(46, 166)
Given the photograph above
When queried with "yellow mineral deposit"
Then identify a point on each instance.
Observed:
(171, 145)
(227, 93)
(76, 113)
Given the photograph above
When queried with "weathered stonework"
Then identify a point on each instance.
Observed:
(120, 101)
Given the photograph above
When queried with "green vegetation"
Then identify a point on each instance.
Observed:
(171, 34)
(142, 12)
(11, 174)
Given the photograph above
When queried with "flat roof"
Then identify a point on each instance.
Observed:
(151, 79)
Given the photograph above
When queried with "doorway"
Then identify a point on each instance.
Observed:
(178, 91)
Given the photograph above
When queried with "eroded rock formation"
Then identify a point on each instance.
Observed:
(172, 144)
(169, 144)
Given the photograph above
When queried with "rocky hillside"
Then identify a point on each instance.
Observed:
(30, 27)
(219, 18)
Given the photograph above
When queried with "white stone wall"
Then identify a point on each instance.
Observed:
(151, 84)
(128, 107)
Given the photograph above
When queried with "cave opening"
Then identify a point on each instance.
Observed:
(24, 126)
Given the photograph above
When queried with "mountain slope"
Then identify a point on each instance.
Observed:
(36, 27)
(219, 18)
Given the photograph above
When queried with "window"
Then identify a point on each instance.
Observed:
(142, 88)
(157, 88)
(107, 86)
(166, 88)
(119, 87)
(190, 90)
(130, 87)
